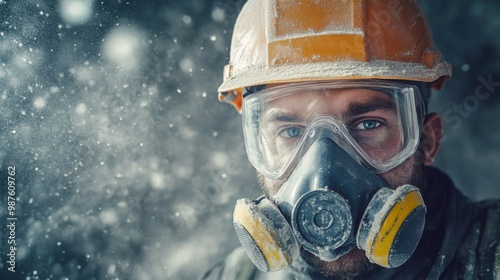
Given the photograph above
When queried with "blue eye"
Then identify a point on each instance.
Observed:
(370, 124)
(291, 132)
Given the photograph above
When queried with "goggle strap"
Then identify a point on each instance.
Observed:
(253, 89)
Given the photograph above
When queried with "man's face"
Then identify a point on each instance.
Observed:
(369, 116)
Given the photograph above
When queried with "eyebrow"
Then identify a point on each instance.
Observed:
(356, 109)
(280, 116)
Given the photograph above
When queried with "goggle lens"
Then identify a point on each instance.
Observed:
(377, 123)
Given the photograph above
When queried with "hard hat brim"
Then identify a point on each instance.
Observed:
(330, 71)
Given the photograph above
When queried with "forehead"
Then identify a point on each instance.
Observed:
(331, 101)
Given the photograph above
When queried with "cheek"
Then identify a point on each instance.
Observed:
(269, 187)
(406, 173)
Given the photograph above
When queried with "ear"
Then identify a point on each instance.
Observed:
(432, 132)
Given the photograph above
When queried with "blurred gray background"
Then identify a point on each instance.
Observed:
(127, 166)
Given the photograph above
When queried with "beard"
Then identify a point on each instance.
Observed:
(355, 263)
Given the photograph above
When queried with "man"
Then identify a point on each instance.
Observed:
(334, 97)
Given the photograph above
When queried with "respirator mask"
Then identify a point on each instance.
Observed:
(326, 142)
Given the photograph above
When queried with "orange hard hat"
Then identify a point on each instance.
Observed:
(282, 41)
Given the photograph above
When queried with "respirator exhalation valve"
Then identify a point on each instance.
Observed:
(322, 220)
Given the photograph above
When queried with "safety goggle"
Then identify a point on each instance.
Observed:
(378, 123)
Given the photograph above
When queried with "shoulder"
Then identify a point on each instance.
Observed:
(478, 256)
(236, 265)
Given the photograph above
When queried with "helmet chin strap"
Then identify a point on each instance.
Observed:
(329, 205)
